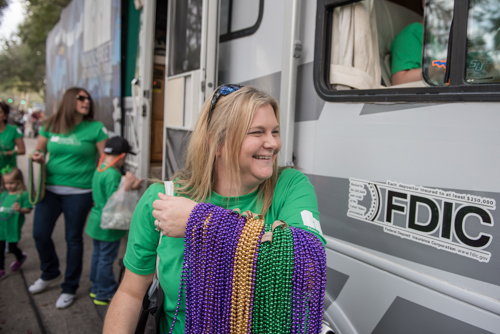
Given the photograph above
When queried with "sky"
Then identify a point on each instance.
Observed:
(12, 17)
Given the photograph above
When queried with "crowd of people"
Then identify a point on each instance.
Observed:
(72, 139)
(231, 162)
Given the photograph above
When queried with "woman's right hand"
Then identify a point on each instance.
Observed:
(38, 157)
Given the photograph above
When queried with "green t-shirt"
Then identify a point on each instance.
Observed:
(7, 143)
(294, 202)
(72, 156)
(104, 184)
(12, 221)
(406, 49)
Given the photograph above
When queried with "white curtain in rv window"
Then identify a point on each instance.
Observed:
(354, 55)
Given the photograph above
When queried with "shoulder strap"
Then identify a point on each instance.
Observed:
(169, 190)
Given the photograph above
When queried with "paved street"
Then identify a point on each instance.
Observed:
(18, 314)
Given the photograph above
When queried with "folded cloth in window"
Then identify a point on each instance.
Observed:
(354, 54)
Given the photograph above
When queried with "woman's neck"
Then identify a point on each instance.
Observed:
(224, 188)
(3, 125)
(78, 118)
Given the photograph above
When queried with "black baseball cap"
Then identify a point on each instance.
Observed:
(117, 145)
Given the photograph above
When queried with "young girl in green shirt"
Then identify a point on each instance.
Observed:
(14, 204)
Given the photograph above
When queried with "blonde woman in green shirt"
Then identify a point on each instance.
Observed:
(232, 162)
(11, 139)
(72, 139)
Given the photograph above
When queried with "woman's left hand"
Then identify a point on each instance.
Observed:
(172, 214)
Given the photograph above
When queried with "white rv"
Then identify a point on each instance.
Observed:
(407, 176)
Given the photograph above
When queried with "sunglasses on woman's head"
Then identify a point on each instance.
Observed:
(224, 91)
(82, 98)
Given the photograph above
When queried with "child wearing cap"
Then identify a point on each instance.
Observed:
(107, 242)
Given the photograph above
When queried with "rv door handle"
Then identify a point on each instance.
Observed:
(297, 49)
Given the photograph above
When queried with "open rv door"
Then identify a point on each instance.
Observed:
(191, 75)
(138, 120)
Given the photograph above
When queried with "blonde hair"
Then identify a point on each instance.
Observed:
(228, 126)
(18, 176)
(63, 121)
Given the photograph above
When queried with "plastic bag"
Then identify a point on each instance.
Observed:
(117, 213)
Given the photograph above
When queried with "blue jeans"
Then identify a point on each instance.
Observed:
(75, 209)
(102, 277)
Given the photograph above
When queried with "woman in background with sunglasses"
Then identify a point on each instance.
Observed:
(232, 162)
(72, 139)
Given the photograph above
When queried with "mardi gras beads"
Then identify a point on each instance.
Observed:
(243, 276)
(242, 280)
(36, 195)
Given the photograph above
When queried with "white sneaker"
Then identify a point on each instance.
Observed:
(41, 285)
(65, 300)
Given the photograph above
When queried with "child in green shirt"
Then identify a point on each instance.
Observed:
(105, 182)
(14, 204)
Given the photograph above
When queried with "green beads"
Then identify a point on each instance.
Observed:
(272, 308)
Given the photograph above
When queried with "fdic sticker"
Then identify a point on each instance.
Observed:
(432, 217)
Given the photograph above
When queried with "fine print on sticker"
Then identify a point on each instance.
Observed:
(445, 220)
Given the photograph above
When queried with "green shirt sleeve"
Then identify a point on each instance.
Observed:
(140, 257)
(18, 133)
(297, 203)
(406, 49)
(111, 185)
(42, 132)
(101, 132)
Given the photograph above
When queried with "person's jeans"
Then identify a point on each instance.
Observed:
(102, 277)
(75, 209)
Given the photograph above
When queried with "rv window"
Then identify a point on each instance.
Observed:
(363, 50)
(372, 41)
(483, 42)
(185, 37)
(438, 18)
(239, 18)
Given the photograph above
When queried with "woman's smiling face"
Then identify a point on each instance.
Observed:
(260, 148)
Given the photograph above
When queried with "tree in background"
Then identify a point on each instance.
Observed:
(3, 5)
(22, 61)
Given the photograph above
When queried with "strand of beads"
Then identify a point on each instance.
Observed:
(234, 240)
(273, 292)
(198, 214)
(309, 281)
(316, 302)
(262, 281)
(242, 280)
(207, 264)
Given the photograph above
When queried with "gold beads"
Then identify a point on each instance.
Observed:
(243, 274)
